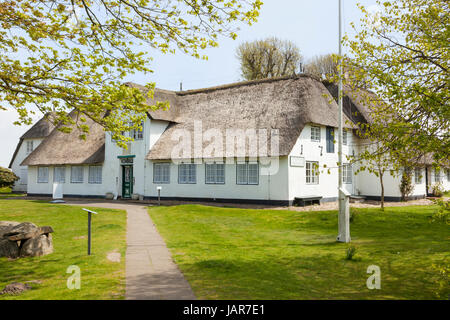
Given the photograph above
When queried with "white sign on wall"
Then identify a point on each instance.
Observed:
(297, 161)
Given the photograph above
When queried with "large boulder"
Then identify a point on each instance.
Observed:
(6, 226)
(9, 249)
(38, 246)
(22, 231)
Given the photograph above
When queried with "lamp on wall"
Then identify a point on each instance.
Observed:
(321, 150)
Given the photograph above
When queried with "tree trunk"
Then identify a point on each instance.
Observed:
(382, 189)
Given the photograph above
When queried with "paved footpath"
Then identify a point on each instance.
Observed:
(151, 273)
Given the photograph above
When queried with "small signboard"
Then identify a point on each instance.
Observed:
(297, 161)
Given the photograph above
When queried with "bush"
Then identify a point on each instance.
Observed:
(7, 178)
(406, 185)
(443, 281)
(350, 253)
(438, 190)
(443, 213)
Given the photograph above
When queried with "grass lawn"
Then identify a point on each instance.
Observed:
(100, 278)
(228, 253)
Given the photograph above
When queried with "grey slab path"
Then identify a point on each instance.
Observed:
(151, 273)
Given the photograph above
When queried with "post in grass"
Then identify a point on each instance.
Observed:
(90, 212)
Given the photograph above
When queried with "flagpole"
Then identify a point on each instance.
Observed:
(344, 223)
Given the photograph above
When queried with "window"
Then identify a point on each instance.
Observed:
(59, 174)
(330, 139)
(448, 175)
(312, 172)
(23, 176)
(215, 173)
(187, 173)
(161, 173)
(315, 133)
(347, 173)
(29, 147)
(76, 174)
(418, 175)
(42, 175)
(437, 175)
(137, 134)
(247, 173)
(95, 174)
(344, 137)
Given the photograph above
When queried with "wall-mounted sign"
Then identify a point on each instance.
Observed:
(297, 161)
(126, 159)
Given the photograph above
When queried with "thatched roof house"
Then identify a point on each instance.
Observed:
(67, 148)
(286, 104)
(40, 129)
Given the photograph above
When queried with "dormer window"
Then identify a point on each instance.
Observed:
(29, 147)
(315, 134)
(137, 134)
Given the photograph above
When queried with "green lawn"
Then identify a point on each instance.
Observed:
(228, 253)
(100, 278)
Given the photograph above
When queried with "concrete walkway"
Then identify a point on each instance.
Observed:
(151, 273)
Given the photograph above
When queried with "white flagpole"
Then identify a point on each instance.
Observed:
(344, 214)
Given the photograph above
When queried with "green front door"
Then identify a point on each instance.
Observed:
(127, 181)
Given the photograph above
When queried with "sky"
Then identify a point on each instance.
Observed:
(311, 24)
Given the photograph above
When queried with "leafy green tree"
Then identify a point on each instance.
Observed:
(268, 58)
(64, 55)
(402, 54)
(7, 178)
(324, 67)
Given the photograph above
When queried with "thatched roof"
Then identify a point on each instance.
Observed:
(40, 129)
(172, 113)
(286, 104)
(67, 148)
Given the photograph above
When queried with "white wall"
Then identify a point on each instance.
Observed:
(21, 171)
(317, 151)
(270, 187)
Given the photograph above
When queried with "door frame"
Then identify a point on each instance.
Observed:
(131, 180)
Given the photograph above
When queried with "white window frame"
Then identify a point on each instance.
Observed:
(23, 176)
(137, 134)
(437, 175)
(418, 175)
(187, 173)
(161, 172)
(74, 176)
(61, 175)
(315, 133)
(347, 173)
(344, 137)
(40, 177)
(312, 172)
(30, 147)
(243, 176)
(94, 176)
(214, 173)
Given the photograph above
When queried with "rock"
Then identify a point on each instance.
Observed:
(46, 230)
(22, 231)
(6, 226)
(15, 288)
(9, 249)
(39, 246)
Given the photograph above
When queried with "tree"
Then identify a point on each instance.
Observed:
(61, 55)
(373, 159)
(268, 58)
(324, 67)
(406, 184)
(402, 54)
(7, 178)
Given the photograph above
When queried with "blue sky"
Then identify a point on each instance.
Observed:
(311, 24)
